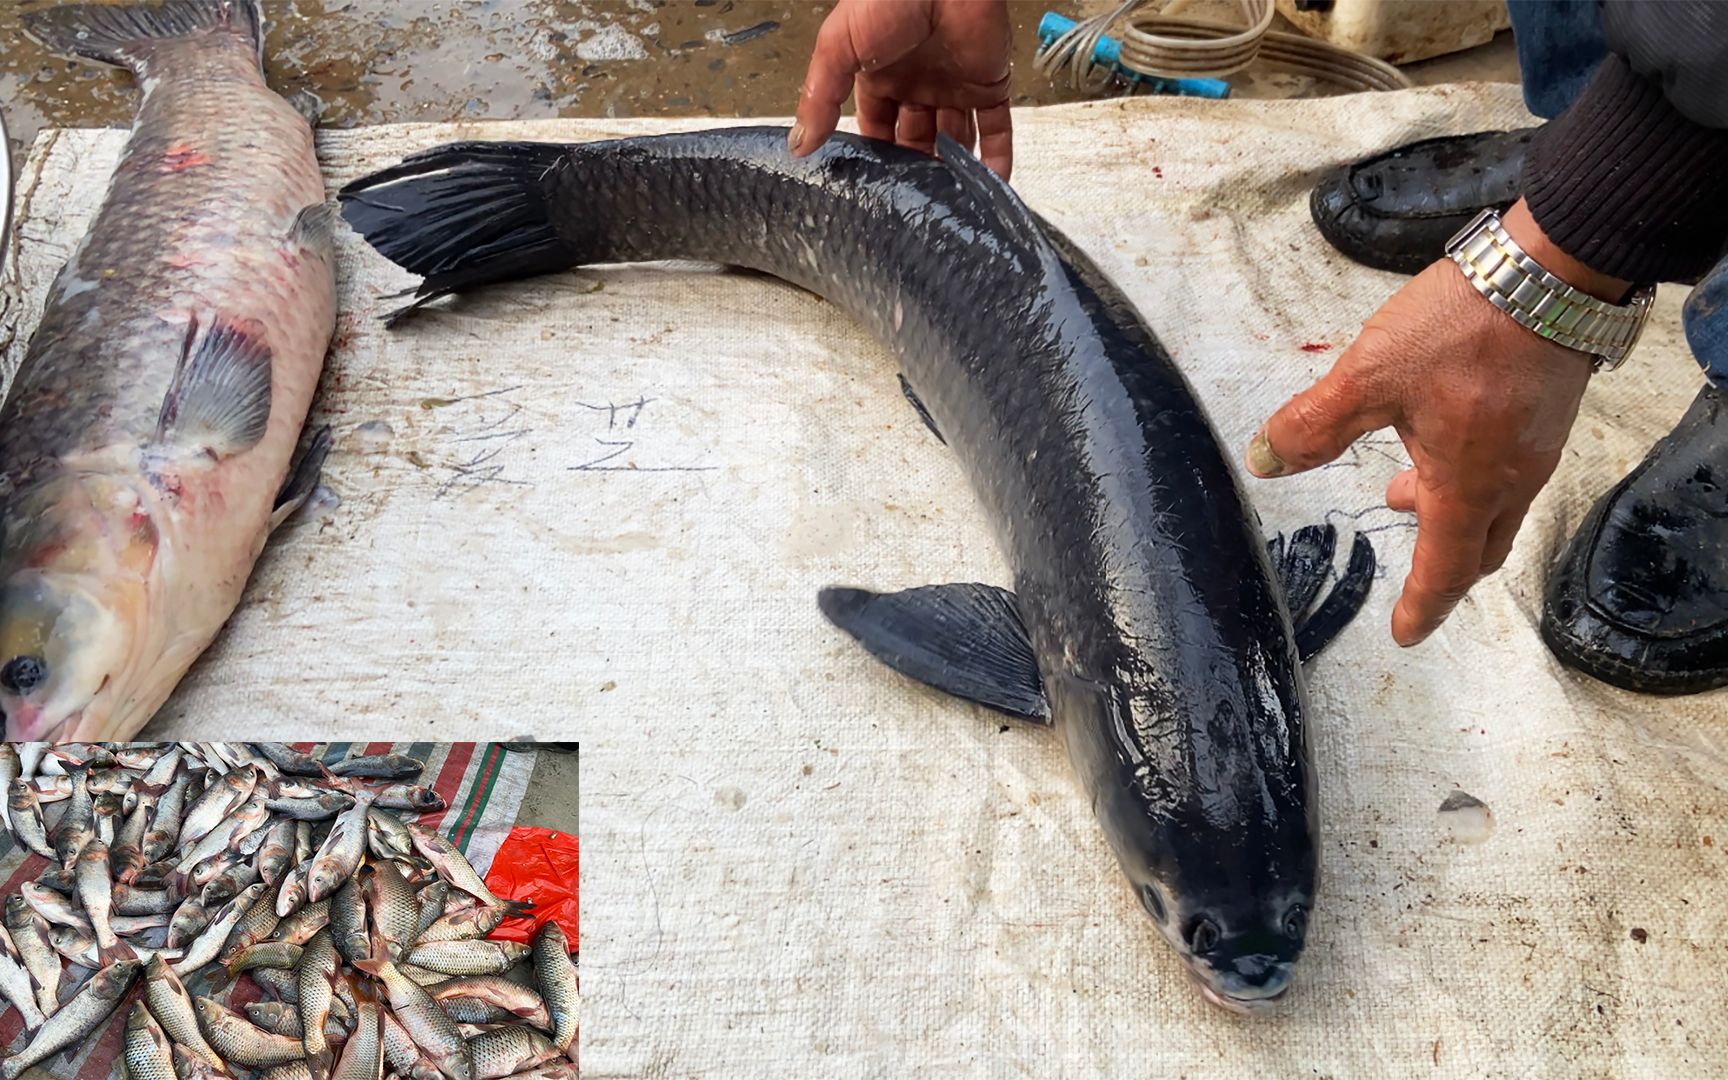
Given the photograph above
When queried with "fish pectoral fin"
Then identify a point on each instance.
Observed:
(923, 413)
(1302, 564)
(965, 639)
(303, 480)
(314, 228)
(219, 399)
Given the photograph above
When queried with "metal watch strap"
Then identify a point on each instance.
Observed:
(1518, 285)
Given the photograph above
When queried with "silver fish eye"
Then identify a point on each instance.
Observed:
(1296, 921)
(23, 674)
(1203, 938)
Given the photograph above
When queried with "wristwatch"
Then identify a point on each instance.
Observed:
(1518, 285)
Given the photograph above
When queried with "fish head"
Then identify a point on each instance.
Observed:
(1220, 852)
(63, 641)
(325, 878)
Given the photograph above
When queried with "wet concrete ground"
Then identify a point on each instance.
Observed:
(553, 798)
(382, 61)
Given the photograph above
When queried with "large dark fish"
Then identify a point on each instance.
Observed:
(1145, 625)
(146, 439)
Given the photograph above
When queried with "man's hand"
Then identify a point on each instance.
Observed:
(1483, 407)
(917, 66)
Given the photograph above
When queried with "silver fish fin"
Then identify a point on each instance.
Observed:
(303, 480)
(125, 35)
(1302, 564)
(315, 228)
(219, 400)
(993, 191)
(965, 639)
(918, 407)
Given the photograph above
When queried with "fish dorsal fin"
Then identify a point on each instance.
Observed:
(965, 639)
(219, 400)
(994, 192)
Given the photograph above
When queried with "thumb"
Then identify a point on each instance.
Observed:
(827, 83)
(1315, 426)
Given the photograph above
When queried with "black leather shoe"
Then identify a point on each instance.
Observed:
(1395, 211)
(1640, 596)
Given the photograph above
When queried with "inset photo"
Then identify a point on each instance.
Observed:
(277, 910)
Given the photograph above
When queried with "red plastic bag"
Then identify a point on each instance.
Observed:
(537, 865)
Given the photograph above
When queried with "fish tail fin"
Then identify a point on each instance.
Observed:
(1302, 565)
(465, 214)
(129, 35)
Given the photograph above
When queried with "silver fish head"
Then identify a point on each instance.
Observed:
(325, 878)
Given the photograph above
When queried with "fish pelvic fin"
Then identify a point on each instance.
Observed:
(1302, 563)
(464, 215)
(129, 35)
(965, 639)
(219, 400)
(304, 479)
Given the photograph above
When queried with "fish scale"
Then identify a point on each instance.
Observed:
(172, 1007)
(148, 1054)
(153, 419)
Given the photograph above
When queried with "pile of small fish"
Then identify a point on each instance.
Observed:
(197, 866)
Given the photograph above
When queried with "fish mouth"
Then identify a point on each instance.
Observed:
(1243, 1006)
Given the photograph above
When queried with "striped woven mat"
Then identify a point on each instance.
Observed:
(482, 785)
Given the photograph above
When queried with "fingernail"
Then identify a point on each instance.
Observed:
(795, 136)
(1262, 459)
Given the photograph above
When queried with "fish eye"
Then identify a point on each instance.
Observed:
(1296, 921)
(1204, 936)
(1151, 901)
(23, 674)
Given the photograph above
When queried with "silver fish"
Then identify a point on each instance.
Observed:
(454, 866)
(290, 760)
(30, 755)
(148, 1053)
(25, 815)
(430, 1027)
(363, 1054)
(74, 830)
(127, 850)
(317, 968)
(342, 851)
(16, 985)
(291, 891)
(403, 1054)
(467, 957)
(190, 919)
(259, 922)
(380, 767)
(209, 943)
(131, 925)
(172, 1007)
(30, 938)
(164, 830)
(77, 1019)
(556, 976)
(227, 885)
(466, 924)
(500, 993)
(94, 885)
(265, 954)
(348, 919)
(10, 769)
(432, 899)
(277, 853)
(410, 797)
(105, 816)
(320, 807)
(53, 906)
(233, 828)
(395, 912)
(161, 771)
(386, 837)
(303, 849)
(211, 807)
(129, 900)
(143, 477)
(242, 1043)
(189, 1065)
(503, 1052)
